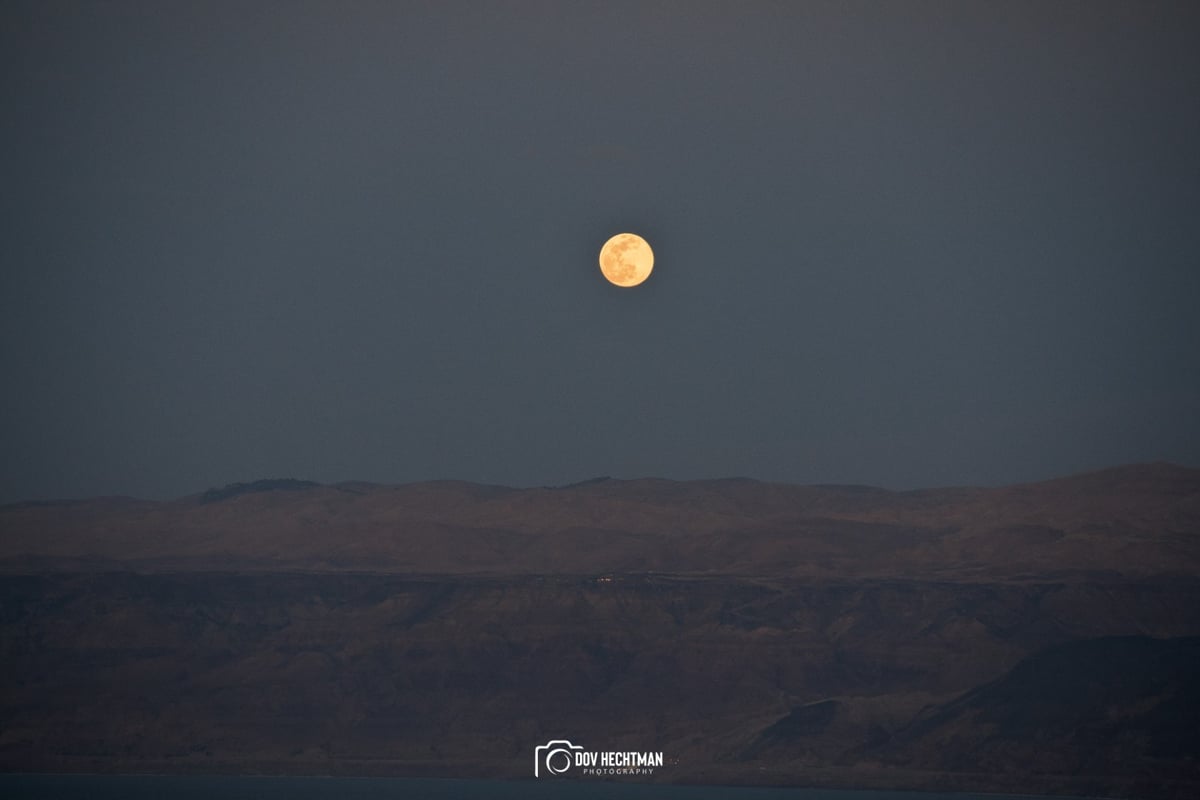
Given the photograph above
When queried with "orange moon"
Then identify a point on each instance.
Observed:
(626, 259)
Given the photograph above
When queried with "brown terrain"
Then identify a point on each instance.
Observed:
(1040, 638)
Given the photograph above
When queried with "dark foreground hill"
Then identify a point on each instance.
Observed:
(1095, 707)
(1037, 638)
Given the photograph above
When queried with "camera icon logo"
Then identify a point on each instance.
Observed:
(554, 757)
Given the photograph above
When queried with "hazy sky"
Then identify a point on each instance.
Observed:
(898, 243)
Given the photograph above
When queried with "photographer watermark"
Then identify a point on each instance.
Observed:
(557, 756)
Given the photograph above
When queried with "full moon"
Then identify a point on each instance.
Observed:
(626, 259)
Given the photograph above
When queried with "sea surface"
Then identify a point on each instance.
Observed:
(177, 787)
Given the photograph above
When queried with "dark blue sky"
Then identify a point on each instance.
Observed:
(904, 244)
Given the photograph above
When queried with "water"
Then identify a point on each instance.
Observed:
(214, 787)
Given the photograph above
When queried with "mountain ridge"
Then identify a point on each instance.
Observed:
(1134, 521)
(969, 638)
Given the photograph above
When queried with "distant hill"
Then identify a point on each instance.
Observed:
(1037, 638)
(1133, 521)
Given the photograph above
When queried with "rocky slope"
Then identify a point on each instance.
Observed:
(1037, 638)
